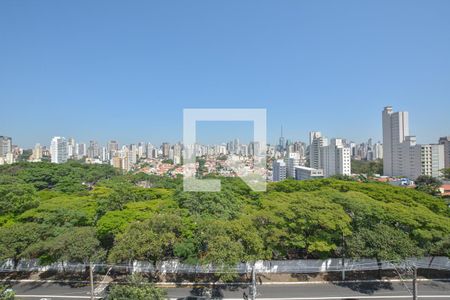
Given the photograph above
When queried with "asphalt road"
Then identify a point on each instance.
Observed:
(324, 291)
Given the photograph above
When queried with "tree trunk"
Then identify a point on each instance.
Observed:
(15, 263)
(379, 268)
(431, 261)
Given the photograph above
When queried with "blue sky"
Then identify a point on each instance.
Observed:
(126, 69)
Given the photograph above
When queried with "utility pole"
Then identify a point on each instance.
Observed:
(253, 288)
(343, 256)
(91, 275)
(415, 283)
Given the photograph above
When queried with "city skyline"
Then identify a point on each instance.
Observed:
(322, 155)
(215, 127)
(319, 67)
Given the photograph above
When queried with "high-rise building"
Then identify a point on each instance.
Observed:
(150, 151)
(352, 146)
(71, 148)
(313, 135)
(279, 170)
(165, 147)
(395, 130)
(177, 154)
(378, 151)
(5, 145)
(112, 147)
(37, 152)
(58, 150)
(432, 160)
(116, 162)
(133, 154)
(104, 155)
(402, 156)
(93, 150)
(305, 173)
(82, 150)
(10, 158)
(236, 146)
(142, 150)
(408, 161)
(317, 141)
(292, 161)
(446, 142)
(335, 159)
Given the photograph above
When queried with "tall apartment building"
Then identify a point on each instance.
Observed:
(316, 142)
(93, 150)
(335, 159)
(407, 162)
(445, 141)
(177, 148)
(142, 150)
(81, 150)
(165, 147)
(112, 147)
(150, 151)
(58, 150)
(133, 154)
(5, 145)
(279, 170)
(313, 135)
(104, 155)
(71, 148)
(292, 161)
(116, 162)
(402, 156)
(395, 129)
(10, 158)
(37, 152)
(378, 151)
(432, 157)
(305, 173)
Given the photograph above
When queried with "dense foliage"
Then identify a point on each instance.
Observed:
(81, 213)
(428, 184)
(446, 173)
(6, 293)
(367, 167)
(136, 288)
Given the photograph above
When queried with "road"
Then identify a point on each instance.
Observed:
(323, 291)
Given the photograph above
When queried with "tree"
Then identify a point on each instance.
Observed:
(382, 242)
(428, 184)
(151, 240)
(16, 239)
(6, 293)
(441, 248)
(16, 198)
(77, 244)
(25, 155)
(367, 167)
(120, 195)
(136, 288)
(301, 224)
(224, 204)
(446, 173)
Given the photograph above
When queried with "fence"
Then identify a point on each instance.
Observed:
(269, 266)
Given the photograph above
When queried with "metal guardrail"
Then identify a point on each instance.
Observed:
(269, 266)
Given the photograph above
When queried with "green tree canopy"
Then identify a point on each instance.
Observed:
(137, 288)
(16, 239)
(428, 184)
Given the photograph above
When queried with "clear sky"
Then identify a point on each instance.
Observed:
(126, 69)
